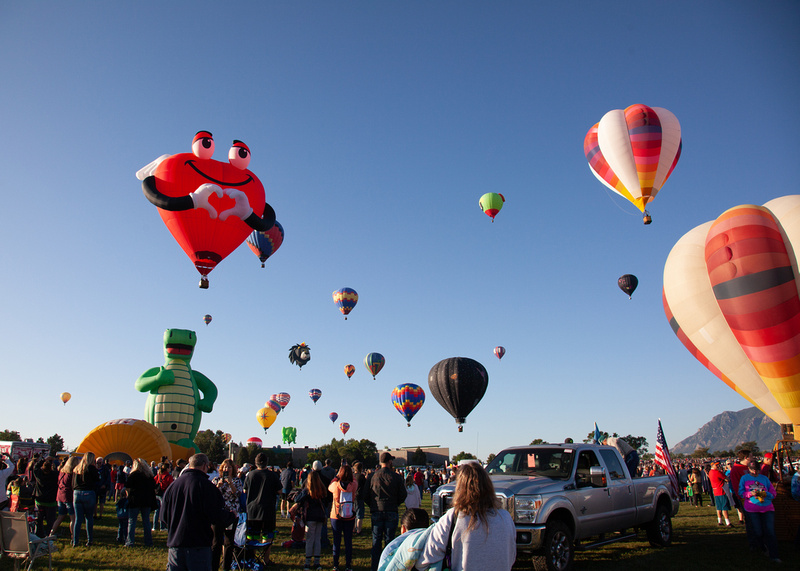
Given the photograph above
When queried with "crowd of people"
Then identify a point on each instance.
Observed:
(203, 507)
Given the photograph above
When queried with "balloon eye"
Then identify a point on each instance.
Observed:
(239, 157)
(203, 147)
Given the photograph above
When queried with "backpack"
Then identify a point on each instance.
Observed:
(344, 508)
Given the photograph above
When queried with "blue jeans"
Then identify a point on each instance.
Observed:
(85, 503)
(343, 527)
(189, 559)
(384, 528)
(762, 525)
(133, 514)
(158, 525)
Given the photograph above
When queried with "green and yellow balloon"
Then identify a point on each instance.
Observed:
(491, 203)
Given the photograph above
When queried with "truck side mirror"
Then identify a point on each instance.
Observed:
(598, 477)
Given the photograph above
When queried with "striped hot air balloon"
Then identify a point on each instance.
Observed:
(344, 427)
(349, 370)
(731, 296)
(314, 394)
(283, 399)
(374, 362)
(346, 299)
(634, 151)
(264, 244)
(408, 398)
(333, 416)
(499, 351)
(255, 441)
(207, 319)
(273, 404)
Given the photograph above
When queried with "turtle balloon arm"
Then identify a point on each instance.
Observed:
(150, 380)
(164, 202)
(208, 389)
(262, 224)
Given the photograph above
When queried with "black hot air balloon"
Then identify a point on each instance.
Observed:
(458, 384)
(628, 283)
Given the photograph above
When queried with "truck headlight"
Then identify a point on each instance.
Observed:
(526, 508)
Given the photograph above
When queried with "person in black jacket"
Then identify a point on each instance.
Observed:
(140, 489)
(386, 491)
(191, 505)
(45, 488)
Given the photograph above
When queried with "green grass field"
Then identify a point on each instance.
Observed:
(698, 544)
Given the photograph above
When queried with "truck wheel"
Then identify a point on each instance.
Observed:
(558, 551)
(659, 531)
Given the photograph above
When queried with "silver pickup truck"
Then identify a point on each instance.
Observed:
(564, 497)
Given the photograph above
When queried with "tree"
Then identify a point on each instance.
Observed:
(10, 436)
(638, 443)
(419, 458)
(463, 456)
(56, 444)
(536, 441)
(751, 446)
(212, 444)
(603, 436)
(490, 457)
(700, 453)
(243, 456)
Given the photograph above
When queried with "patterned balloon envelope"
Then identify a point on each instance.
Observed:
(731, 296)
(283, 399)
(408, 398)
(374, 362)
(499, 351)
(628, 283)
(266, 416)
(264, 244)
(349, 370)
(333, 416)
(207, 319)
(273, 404)
(344, 427)
(255, 441)
(491, 203)
(314, 394)
(346, 299)
(633, 152)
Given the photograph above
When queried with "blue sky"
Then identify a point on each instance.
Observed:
(375, 128)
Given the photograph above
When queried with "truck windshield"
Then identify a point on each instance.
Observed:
(555, 463)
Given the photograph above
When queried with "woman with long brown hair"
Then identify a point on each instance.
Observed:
(309, 507)
(230, 485)
(140, 487)
(343, 515)
(84, 497)
(479, 533)
(64, 495)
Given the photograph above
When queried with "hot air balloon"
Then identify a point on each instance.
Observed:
(207, 319)
(408, 399)
(300, 354)
(264, 244)
(349, 370)
(65, 397)
(314, 394)
(283, 399)
(125, 438)
(273, 404)
(374, 362)
(633, 152)
(491, 203)
(209, 206)
(628, 283)
(458, 385)
(226, 437)
(346, 299)
(499, 351)
(333, 416)
(266, 416)
(255, 441)
(731, 296)
(344, 427)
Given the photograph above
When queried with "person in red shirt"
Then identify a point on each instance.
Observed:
(419, 480)
(718, 479)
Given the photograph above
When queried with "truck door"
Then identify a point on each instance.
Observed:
(592, 504)
(621, 489)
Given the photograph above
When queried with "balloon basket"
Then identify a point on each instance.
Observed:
(460, 428)
(204, 283)
(647, 219)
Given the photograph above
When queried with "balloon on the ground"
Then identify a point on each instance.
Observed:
(314, 394)
(266, 416)
(126, 439)
(628, 284)
(174, 404)
(633, 152)
(345, 299)
(731, 296)
(333, 416)
(273, 404)
(65, 397)
(374, 362)
(254, 441)
(491, 203)
(207, 319)
(300, 354)
(283, 399)
(289, 434)
(349, 370)
(458, 385)
(344, 427)
(264, 244)
(499, 351)
(408, 398)
(209, 206)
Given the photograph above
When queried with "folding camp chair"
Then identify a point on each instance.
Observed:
(18, 544)
(242, 546)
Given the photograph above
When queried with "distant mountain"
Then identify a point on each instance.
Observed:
(728, 430)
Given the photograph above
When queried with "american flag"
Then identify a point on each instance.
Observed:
(664, 460)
